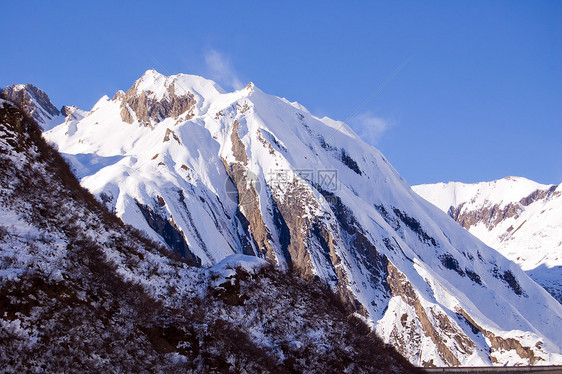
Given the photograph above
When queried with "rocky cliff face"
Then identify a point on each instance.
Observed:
(246, 172)
(518, 217)
(33, 102)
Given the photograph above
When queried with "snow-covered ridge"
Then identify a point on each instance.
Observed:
(518, 217)
(213, 174)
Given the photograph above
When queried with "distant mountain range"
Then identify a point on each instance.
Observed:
(212, 174)
(520, 218)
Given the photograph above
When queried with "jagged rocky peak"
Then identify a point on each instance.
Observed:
(32, 101)
(155, 97)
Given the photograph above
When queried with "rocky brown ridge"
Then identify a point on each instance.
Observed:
(492, 215)
(142, 107)
(248, 199)
(32, 101)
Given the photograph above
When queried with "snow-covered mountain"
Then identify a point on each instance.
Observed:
(80, 291)
(211, 173)
(520, 218)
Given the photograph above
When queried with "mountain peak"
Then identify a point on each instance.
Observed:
(52, 270)
(156, 84)
(155, 97)
(33, 102)
(152, 73)
(19, 87)
(150, 77)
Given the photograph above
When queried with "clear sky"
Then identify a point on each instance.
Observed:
(473, 88)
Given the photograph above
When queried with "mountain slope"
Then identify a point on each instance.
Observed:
(518, 217)
(80, 291)
(212, 174)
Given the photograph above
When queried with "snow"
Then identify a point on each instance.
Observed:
(227, 266)
(90, 163)
(50, 123)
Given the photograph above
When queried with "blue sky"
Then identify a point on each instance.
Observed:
(478, 97)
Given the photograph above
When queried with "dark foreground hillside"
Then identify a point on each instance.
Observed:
(81, 292)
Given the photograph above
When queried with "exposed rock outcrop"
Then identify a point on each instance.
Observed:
(247, 196)
(147, 109)
(489, 216)
(493, 214)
